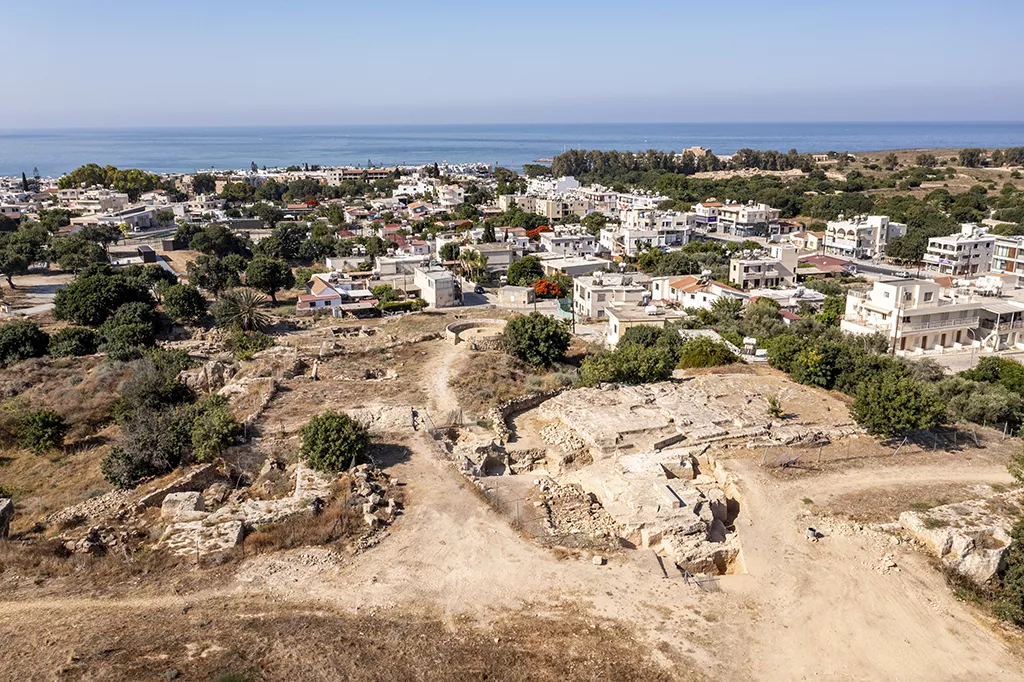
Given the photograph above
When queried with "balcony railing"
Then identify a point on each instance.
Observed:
(992, 324)
(952, 323)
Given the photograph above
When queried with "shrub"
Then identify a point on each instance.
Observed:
(332, 441)
(214, 428)
(129, 331)
(151, 444)
(403, 306)
(74, 341)
(269, 276)
(184, 303)
(536, 339)
(245, 344)
(525, 272)
(1011, 593)
(702, 351)
(21, 339)
(42, 431)
(774, 407)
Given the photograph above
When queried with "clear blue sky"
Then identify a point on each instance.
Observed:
(222, 62)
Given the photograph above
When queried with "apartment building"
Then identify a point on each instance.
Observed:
(568, 243)
(915, 316)
(747, 220)
(759, 270)
(968, 252)
(450, 196)
(861, 236)
(1008, 258)
(336, 176)
(624, 316)
(592, 295)
(499, 255)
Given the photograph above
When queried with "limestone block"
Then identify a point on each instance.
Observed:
(6, 514)
(176, 504)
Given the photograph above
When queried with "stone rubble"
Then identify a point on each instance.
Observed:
(6, 515)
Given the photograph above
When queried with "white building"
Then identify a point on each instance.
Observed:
(967, 253)
(915, 317)
(691, 291)
(450, 196)
(775, 268)
(861, 236)
(437, 287)
(568, 243)
(1008, 258)
(624, 316)
(592, 295)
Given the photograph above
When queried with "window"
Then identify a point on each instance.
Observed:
(928, 296)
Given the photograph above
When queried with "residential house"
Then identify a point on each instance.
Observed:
(692, 291)
(1008, 257)
(437, 287)
(450, 196)
(624, 316)
(499, 255)
(568, 242)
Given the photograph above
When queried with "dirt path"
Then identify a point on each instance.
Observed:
(828, 613)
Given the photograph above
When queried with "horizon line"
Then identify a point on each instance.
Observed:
(4, 130)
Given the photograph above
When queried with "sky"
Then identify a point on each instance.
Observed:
(121, 63)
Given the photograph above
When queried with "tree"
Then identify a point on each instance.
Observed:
(891, 404)
(204, 183)
(218, 240)
(333, 441)
(594, 222)
(21, 339)
(488, 234)
(384, 293)
(926, 160)
(450, 251)
(971, 158)
(242, 309)
(214, 274)
(90, 299)
(184, 303)
(269, 276)
(74, 342)
(74, 252)
(536, 339)
(129, 331)
(891, 161)
(42, 431)
(525, 271)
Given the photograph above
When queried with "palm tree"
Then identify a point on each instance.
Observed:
(473, 262)
(242, 309)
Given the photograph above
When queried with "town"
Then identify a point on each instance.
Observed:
(681, 388)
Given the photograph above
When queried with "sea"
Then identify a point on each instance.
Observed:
(173, 150)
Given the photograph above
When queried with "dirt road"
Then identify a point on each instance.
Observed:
(827, 612)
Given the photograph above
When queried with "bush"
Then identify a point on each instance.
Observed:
(525, 272)
(1011, 593)
(129, 331)
(333, 441)
(536, 339)
(214, 428)
(245, 344)
(184, 304)
(630, 364)
(42, 431)
(74, 342)
(702, 351)
(891, 404)
(21, 339)
(403, 306)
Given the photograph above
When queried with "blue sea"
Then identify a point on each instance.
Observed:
(168, 150)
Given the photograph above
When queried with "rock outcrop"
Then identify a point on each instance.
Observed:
(971, 538)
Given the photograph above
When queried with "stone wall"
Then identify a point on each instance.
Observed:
(452, 331)
(502, 411)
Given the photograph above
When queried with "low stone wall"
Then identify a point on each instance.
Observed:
(501, 412)
(452, 331)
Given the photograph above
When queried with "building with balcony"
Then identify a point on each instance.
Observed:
(758, 270)
(1008, 257)
(968, 252)
(861, 236)
(592, 295)
(917, 315)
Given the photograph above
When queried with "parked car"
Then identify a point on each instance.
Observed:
(902, 274)
(478, 290)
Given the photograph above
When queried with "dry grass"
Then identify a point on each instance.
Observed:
(288, 641)
(485, 378)
(339, 520)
